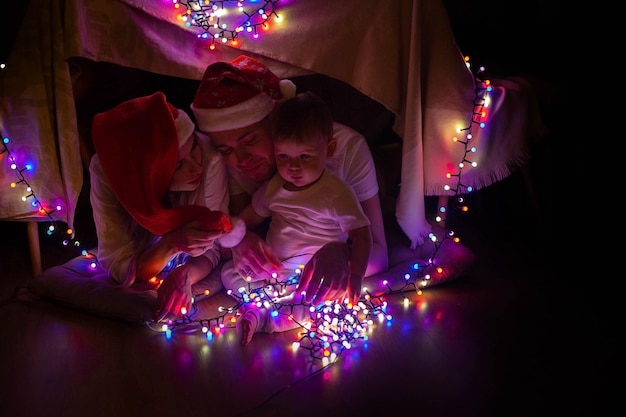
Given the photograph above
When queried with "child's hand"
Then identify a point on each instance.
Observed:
(246, 327)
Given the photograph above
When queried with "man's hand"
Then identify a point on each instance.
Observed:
(354, 288)
(255, 258)
(327, 275)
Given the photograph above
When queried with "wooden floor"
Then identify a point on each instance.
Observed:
(484, 345)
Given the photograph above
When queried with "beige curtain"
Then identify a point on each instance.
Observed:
(401, 53)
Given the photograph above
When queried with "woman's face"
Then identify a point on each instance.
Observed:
(188, 170)
(248, 150)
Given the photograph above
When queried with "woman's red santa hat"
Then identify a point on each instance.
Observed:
(237, 94)
(137, 143)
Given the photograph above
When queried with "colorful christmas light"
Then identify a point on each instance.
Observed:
(224, 20)
(333, 326)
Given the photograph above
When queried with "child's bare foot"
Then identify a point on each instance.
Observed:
(246, 327)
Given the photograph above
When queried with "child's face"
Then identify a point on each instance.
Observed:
(188, 171)
(301, 163)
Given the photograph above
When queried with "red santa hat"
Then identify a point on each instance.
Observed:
(237, 94)
(137, 144)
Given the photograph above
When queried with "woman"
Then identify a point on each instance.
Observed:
(159, 197)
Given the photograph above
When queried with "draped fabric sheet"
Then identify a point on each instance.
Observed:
(400, 53)
(37, 115)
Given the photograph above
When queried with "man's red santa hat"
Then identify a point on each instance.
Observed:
(237, 94)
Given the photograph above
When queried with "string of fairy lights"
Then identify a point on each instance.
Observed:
(335, 326)
(224, 20)
(332, 326)
(29, 195)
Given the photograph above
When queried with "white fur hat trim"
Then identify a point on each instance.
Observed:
(236, 234)
(241, 114)
(184, 127)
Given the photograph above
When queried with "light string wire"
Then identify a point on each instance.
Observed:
(479, 116)
(213, 18)
(285, 388)
(333, 326)
(31, 197)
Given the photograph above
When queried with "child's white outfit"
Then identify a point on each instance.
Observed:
(301, 223)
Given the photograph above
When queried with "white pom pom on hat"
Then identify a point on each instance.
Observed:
(237, 94)
(236, 234)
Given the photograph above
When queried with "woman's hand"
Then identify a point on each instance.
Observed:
(174, 294)
(188, 239)
(191, 239)
(327, 275)
(255, 258)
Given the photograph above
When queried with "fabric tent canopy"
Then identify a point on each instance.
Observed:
(401, 53)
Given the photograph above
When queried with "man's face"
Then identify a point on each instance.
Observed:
(248, 150)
